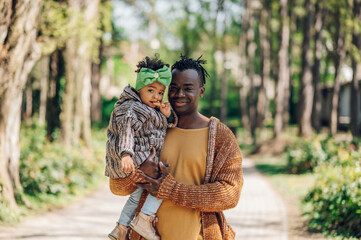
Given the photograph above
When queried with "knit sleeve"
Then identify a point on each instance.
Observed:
(172, 121)
(121, 129)
(221, 194)
(126, 134)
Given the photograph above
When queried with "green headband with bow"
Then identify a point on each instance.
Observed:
(147, 76)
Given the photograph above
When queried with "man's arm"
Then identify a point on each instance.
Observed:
(222, 193)
(217, 196)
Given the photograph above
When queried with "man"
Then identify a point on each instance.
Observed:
(205, 166)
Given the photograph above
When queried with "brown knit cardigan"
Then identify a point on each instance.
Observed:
(221, 189)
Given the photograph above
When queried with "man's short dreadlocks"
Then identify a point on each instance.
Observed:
(188, 63)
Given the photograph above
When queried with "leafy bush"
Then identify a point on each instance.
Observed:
(50, 168)
(304, 156)
(336, 197)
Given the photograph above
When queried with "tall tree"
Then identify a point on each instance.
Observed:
(289, 114)
(96, 104)
(338, 60)
(79, 52)
(264, 29)
(19, 52)
(56, 71)
(356, 67)
(306, 91)
(244, 80)
(43, 88)
(283, 72)
(28, 99)
(214, 72)
(317, 104)
(251, 52)
(224, 77)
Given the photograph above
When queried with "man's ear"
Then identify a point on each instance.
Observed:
(202, 91)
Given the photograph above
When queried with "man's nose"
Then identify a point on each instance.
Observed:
(180, 92)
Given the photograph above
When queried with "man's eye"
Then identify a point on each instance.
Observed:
(150, 90)
(188, 89)
(161, 93)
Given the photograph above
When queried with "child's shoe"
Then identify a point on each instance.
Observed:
(120, 232)
(145, 226)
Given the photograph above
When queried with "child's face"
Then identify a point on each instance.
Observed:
(152, 93)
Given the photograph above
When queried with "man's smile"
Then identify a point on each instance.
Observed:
(179, 102)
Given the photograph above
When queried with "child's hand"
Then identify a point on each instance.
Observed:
(127, 163)
(165, 109)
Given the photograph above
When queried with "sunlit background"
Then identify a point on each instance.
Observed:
(284, 75)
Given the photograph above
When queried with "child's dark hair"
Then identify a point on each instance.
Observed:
(188, 63)
(152, 63)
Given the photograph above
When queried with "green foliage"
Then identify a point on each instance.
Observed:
(336, 197)
(107, 108)
(305, 155)
(58, 22)
(50, 168)
(53, 24)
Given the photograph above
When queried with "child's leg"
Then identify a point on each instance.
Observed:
(151, 205)
(143, 223)
(130, 207)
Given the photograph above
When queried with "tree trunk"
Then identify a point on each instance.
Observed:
(224, 87)
(214, 75)
(75, 118)
(356, 67)
(66, 116)
(316, 109)
(306, 91)
(262, 104)
(339, 58)
(251, 50)
(244, 80)
(283, 72)
(19, 53)
(43, 88)
(53, 108)
(290, 107)
(29, 99)
(96, 103)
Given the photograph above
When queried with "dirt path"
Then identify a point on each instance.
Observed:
(260, 214)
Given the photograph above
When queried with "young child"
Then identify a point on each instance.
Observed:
(137, 125)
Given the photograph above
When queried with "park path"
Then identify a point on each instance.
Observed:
(260, 215)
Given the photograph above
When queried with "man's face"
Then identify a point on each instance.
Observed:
(185, 91)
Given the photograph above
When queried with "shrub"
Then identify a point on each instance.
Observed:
(52, 169)
(336, 196)
(304, 156)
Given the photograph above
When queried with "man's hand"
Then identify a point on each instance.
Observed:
(127, 163)
(150, 167)
(152, 185)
